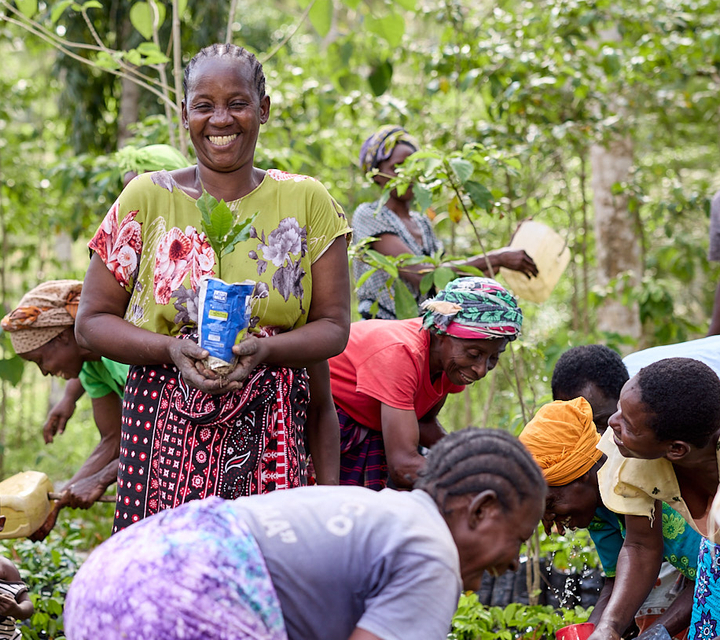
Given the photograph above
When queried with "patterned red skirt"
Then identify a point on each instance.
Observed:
(180, 444)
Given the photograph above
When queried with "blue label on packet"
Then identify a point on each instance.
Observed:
(224, 315)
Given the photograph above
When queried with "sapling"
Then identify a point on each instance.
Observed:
(223, 313)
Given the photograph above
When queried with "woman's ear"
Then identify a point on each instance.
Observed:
(482, 505)
(677, 450)
(264, 109)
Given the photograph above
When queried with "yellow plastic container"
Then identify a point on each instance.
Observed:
(551, 255)
(24, 502)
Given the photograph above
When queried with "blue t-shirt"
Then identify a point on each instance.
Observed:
(681, 541)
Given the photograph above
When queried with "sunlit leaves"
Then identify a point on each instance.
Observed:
(320, 15)
(147, 17)
(27, 7)
(390, 27)
(11, 369)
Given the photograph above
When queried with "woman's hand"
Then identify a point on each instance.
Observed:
(604, 632)
(57, 419)
(8, 605)
(187, 357)
(83, 493)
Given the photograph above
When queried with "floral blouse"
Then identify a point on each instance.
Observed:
(152, 242)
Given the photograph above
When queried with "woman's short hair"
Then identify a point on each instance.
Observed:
(473, 460)
(683, 396)
(588, 364)
(233, 51)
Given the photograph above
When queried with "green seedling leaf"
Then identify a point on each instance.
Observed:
(59, 9)
(462, 168)
(239, 233)
(27, 7)
(405, 304)
(479, 194)
(206, 203)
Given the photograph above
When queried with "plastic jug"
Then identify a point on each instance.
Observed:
(551, 255)
(575, 631)
(24, 502)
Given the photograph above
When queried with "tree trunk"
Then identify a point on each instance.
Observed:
(617, 246)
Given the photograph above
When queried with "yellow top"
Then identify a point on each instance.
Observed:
(630, 486)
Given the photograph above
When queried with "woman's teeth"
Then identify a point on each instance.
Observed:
(222, 140)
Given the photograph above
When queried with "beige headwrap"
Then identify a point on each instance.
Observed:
(563, 440)
(43, 314)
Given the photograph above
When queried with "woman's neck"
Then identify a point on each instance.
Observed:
(229, 186)
(700, 468)
(399, 207)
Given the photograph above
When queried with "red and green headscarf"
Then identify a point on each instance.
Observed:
(474, 308)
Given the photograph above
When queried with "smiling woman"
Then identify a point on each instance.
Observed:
(188, 433)
(392, 379)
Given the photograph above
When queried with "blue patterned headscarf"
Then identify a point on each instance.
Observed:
(474, 308)
(380, 145)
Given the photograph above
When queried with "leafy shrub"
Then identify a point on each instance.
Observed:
(473, 621)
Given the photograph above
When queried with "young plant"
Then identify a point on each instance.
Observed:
(221, 227)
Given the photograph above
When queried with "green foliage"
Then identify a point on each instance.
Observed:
(473, 621)
(222, 229)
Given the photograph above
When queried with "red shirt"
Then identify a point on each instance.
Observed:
(388, 362)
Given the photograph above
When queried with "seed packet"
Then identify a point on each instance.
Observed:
(223, 318)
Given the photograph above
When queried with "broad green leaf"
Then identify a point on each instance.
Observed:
(390, 27)
(27, 7)
(427, 282)
(442, 276)
(380, 77)
(479, 194)
(142, 17)
(409, 5)
(353, 4)
(423, 196)
(11, 369)
(240, 232)
(59, 9)
(92, 4)
(455, 210)
(321, 16)
(462, 168)
(182, 5)
(405, 304)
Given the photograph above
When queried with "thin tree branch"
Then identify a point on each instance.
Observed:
(286, 39)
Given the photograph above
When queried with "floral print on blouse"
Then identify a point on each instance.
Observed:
(152, 242)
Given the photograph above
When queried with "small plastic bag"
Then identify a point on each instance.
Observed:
(657, 632)
(223, 319)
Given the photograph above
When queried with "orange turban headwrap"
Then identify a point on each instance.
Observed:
(563, 440)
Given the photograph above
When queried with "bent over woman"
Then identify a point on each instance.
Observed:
(188, 433)
(394, 376)
(335, 563)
